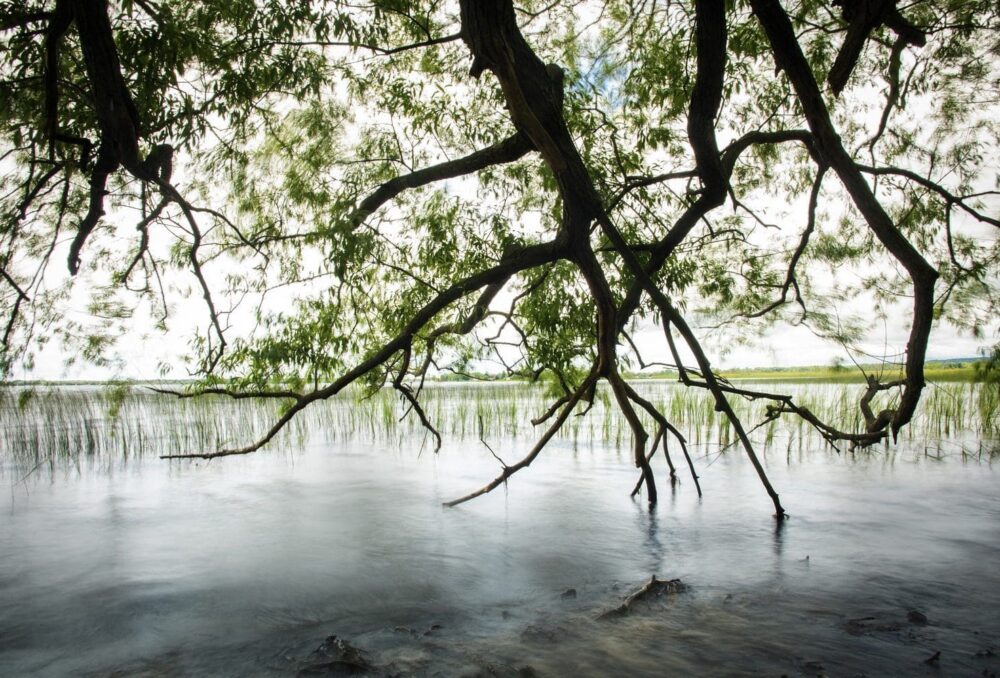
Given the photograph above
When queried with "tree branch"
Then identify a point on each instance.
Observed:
(518, 260)
(788, 55)
(509, 150)
(508, 471)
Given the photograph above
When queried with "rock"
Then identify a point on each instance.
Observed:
(866, 626)
(916, 617)
(337, 657)
(568, 593)
(502, 671)
(539, 634)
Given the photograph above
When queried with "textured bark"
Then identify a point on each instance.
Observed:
(533, 93)
(706, 97)
(863, 17)
(534, 97)
(117, 116)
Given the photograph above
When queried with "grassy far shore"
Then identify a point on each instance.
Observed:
(960, 370)
(945, 370)
(952, 370)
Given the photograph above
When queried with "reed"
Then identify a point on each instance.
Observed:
(54, 424)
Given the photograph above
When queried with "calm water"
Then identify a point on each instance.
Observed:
(243, 566)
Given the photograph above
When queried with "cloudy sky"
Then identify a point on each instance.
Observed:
(782, 346)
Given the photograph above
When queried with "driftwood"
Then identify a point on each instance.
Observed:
(654, 588)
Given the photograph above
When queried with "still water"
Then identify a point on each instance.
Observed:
(243, 566)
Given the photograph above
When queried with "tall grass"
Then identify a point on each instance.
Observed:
(72, 423)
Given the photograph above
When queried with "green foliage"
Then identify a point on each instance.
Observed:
(988, 371)
(286, 116)
(115, 394)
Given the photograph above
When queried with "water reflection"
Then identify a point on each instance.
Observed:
(779, 537)
(647, 521)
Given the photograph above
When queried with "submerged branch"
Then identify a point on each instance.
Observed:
(510, 470)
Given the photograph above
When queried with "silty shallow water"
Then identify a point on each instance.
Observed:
(242, 566)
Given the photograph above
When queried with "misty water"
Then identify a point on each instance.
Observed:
(114, 562)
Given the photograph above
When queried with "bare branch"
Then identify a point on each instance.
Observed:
(949, 197)
(408, 394)
(228, 392)
(790, 281)
(381, 51)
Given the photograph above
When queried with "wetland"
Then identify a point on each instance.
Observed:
(115, 562)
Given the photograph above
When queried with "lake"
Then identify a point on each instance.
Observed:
(114, 562)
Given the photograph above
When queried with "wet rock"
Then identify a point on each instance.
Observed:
(503, 671)
(336, 657)
(540, 634)
(334, 668)
(568, 593)
(866, 626)
(916, 617)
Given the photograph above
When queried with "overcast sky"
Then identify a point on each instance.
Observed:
(782, 346)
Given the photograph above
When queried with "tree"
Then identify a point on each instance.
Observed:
(438, 183)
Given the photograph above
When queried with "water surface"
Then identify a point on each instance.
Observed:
(242, 566)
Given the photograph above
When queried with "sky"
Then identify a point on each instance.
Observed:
(781, 346)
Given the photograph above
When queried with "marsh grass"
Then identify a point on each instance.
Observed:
(47, 425)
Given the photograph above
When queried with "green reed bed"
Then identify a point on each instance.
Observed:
(69, 423)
